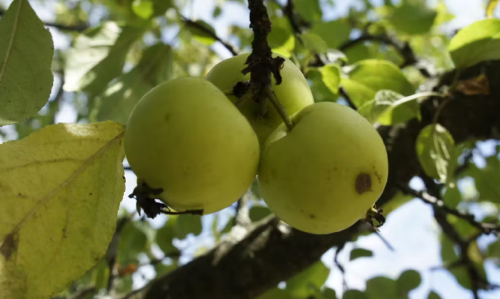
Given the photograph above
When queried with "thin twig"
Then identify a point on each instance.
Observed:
(347, 98)
(112, 253)
(339, 265)
(440, 214)
(486, 228)
(209, 32)
(467, 159)
(289, 12)
(62, 27)
(384, 240)
(440, 109)
(465, 260)
(280, 108)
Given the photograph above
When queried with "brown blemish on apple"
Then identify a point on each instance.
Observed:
(363, 183)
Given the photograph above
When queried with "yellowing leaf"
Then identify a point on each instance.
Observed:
(26, 51)
(479, 85)
(60, 189)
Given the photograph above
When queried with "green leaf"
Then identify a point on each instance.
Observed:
(367, 77)
(166, 234)
(381, 288)
(124, 284)
(360, 252)
(354, 294)
(218, 11)
(133, 241)
(188, 224)
(310, 10)
(258, 213)
(101, 275)
(329, 293)
(330, 74)
(228, 226)
(494, 250)
(162, 269)
(434, 150)
(492, 4)
(98, 56)
(204, 36)
(433, 295)
(118, 100)
(26, 51)
(374, 109)
(61, 190)
(486, 179)
(307, 282)
(477, 42)
(448, 254)
(256, 189)
(397, 201)
(161, 6)
(324, 30)
(407, 281)
(281, 41)
(358, 53)
(390, 108)
(318, 88)
(413, 18)
(462, 275)
(463, 227)
(313, 42)
(452, 197)
(143, 8)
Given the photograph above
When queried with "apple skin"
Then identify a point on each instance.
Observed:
(308, 176)
(187, 138)
(294, 92)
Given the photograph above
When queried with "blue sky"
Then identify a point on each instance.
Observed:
(411, 230)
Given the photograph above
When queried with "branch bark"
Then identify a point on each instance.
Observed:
(437, 203)
(261, 63)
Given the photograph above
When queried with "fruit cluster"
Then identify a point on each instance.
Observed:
(201, 143)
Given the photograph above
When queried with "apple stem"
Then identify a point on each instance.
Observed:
(280, 108)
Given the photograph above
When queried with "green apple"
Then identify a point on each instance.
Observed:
(188, 139)
(293, 93)
(327, 172)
